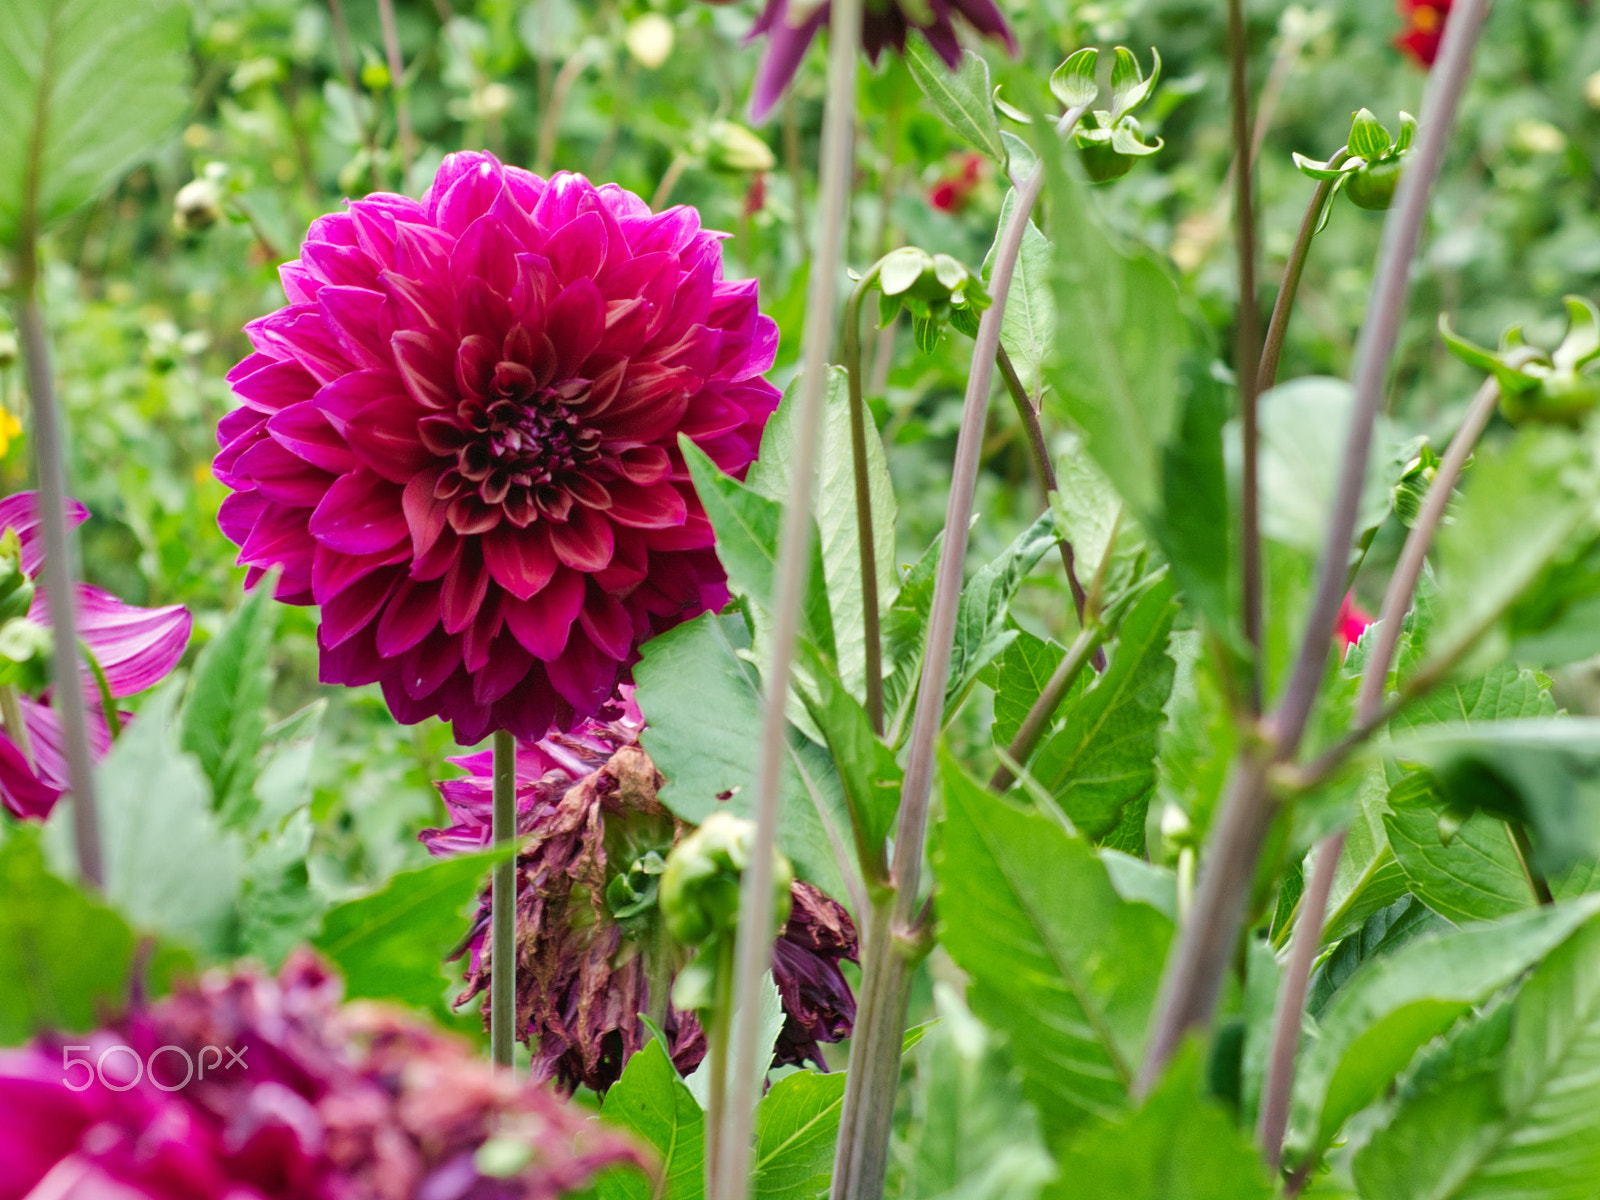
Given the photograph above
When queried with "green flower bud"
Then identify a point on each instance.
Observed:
(1110, 140)
(633, 892)
(1369, 167)
(1559, 386)
(934, 288)
(732, 147)
(699, 890)
(1372, 187)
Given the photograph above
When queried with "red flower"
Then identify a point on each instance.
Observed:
(1424, 28)
(950, 193)
(460, 439)
(1351, 623)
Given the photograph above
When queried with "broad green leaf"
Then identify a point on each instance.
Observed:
(64, 956)
(391, 945)
(1474, 876)
(1557, 620)
(1520, 505)
(982, 630)
(1384, 932)
(706, 747)
(835, 511)
(867, 769)
(1024, 669)
(796, 1123)
(1502, 693)
(87, 87)
(652, 1103)
(1028, 326)
(1367, 878)
(963, 97)
(1192, 528)
(1099, 758)
(1058, 961)
(1119, 343)
(224, 716)
(769, 1024)
(170, 866)
(905, 635)
(1180, 1145)
(1397, 1003)
(1522, 1119)
(972, 1135)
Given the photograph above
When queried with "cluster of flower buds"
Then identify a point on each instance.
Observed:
(1110, 140)
(1367, 169)
(1559, 385)
(934, 288)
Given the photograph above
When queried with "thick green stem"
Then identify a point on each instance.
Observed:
(717, 1061)
(503, 906)
(864, 531)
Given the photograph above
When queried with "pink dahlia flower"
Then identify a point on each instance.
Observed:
(135, 648)
(1351, 622)
(269, 1089)
(460, 439)
(589, 949)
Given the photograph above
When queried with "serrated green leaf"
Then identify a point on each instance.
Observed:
(652, 1103)
(87, 87)
(1367, 879)
(1383, 932)
(982, 631)
(867, 769)
(963, 97)
(796, 1123)
(1475, 876)
(1057, 959)
(1025, 667)
(1028, 326)
(1396, 1004)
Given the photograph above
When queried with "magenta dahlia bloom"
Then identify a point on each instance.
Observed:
(884, 23)
(594, 837)
(460, 439)
(255, 1088)
(135, 648)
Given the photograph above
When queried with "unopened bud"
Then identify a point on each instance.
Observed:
(735, 148)
(650, 39)
(699, 894)
(197, 206)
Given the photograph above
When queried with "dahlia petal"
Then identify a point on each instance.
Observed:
(384, 436)
(513, 213)
(575, 323)
(22, 792)
(426, 366)
(530, 709)
(471, 193)
(607, 623)
(20, 512)
(278, 538)
(524, 187)
(479, 636)
(351, 314)
(333, 572)
(300, 332)
(465, 585)
(346, 396)
(584, 542)
(410, 615)
(629, 565)
(582, 674)
(136, 648)
(786, 46)
(325, 263)
(305, 431)
(578, 249)
(658, 506)
(476, 359)
(488, 251)
(543, 623)
(481, 309)
(354, 663)
(275, 385)
(520, 560)
(506, 665)
(281, 476)
(535, 290)
(558, 205)
(440, 557)
(941, 36)
(424, 513)
(347, 612)
(360, 514)
(671, 231)
(236, 516)
(425, 667)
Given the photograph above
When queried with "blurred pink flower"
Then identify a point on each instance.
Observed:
(1352, 622)
(135, 649)
(460, 439)
(324, 1102)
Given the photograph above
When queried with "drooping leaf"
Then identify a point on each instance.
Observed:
(391, 945)
(224, 716)
(64, 956)
(1512, 1115)
(1028, 326)
(86, 89)
(1100, 758)
(1397, 1003)
(707, 748)
(1057, 960)
(963, 97)
(1180, 1145)
(796, 1124)
(652, 1103)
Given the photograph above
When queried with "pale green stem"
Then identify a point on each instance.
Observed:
(503, 906)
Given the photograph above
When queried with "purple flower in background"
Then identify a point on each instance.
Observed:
(299, 1098)
(790, 25)
(460, 439)
(135, 648)
(589, 956)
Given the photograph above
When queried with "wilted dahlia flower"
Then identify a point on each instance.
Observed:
(135, 648)
(790, 26)
(591, 955)
(460, 439)
(247, 1086)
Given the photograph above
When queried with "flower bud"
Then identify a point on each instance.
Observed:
(1559, 386)
(197, 206)
(732, 147)
(699, 894)
(935, 288)
(1369, 167)
(649, 39)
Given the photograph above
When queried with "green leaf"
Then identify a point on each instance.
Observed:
(1057, 959)
(1384, 932)
(905, 634)
(1181, 1145)
(391, 945)
(1028, 326)
(1396, 1004)
(1192, 528)
(1367, 878)
(652, 1103)
(278, 906)
(1475, 876)
(1073, 82)
(962, 97)
(982, 631)
(1025, 667)
(1119, 343)
(1100, 758)
(1557, 620)
(972, 1134)
(64, 955)
(867, 769)
(224, 716)
(86, 89)
(1197, 739)
(1522, 1120)
(707, 748)
(796, 1123)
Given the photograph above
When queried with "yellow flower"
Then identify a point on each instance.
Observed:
(10, 428)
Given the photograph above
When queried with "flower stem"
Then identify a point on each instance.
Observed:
(550, 126)
(834, 177)
(717, 1061)
(864, 531)
(1293, 270)
(1206, 943)
(397, 84)
(58, 568)
(1247, 349)
(503, 906)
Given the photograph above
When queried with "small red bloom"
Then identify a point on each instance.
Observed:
(460, 439)
(1424, 28)
(1352, 622)
(951, 192)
